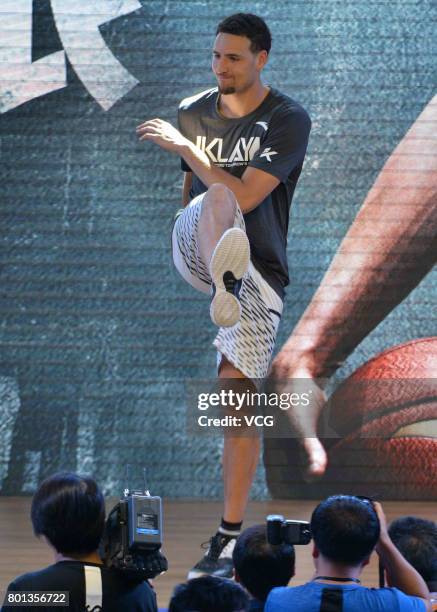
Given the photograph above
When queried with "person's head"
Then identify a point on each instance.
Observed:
(416, 538)
(345, 530)
(241, 50)
(208, 594)
(69, 510)
(259, 566)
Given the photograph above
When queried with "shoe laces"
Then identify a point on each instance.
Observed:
(215, 546)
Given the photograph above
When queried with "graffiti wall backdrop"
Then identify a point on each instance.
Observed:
(98, 333)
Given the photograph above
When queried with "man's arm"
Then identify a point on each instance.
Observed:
(249, 190)
(188, 181)
(400, 573)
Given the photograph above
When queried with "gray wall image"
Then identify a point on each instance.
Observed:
(98, 334)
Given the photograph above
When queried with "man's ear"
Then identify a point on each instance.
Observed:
(236, 576)
(365, 562)
(262, 59)
(316, 552)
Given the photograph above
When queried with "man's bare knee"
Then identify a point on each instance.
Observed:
(220, 190)
(219, 200)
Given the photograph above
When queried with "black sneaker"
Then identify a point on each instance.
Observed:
(218, 559)
(229, 263)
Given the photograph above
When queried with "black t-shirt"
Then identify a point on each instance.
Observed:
(118, 592)
(272, 138)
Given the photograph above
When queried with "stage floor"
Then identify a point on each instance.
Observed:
(187, 523)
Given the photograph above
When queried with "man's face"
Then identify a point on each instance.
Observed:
(235, 66)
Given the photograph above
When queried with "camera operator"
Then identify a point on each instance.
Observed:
(68, 512)
(259, 566)
(346, 530)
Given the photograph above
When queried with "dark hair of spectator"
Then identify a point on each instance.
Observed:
(416, 538)
(69, 510)
(261, 566)
(345, 529)
(208, 594)
(251, 26)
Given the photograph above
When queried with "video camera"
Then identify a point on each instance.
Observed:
(281, 531)
(133, 536)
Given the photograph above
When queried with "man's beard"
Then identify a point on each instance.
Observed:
(225, 91)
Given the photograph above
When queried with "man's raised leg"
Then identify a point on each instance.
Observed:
(225, 251)
(218, 213)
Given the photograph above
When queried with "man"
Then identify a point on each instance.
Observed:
(208, 594)
(346, 530)
(416, 539)
(389, 248)
(242, 146)
(68, 512)
(259, 566)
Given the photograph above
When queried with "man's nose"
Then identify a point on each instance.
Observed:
(221, 65)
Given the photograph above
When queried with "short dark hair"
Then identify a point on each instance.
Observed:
(69, 510)
(251, 26)
(208, 594)
(416, 538)
(261, 566)
(345, 528)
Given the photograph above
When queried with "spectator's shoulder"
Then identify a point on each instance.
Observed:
(126, 592)
(28, 581)
(405, 603)
(124, 581)
(277, 596)
(198, 101)
(409, 602)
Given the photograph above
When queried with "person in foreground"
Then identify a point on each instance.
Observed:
(346, 530)
(68, 512)
(416, 538)
(242, 146)
(208, 594)
(259, 566)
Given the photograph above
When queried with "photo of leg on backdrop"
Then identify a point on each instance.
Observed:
(389, 248)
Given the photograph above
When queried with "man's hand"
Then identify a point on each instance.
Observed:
(383, 536)
(162, 133)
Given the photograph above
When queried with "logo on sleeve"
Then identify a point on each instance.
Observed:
(263, 124)
(267, 153)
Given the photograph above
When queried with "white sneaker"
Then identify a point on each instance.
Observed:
(218, 559)
(229, 263)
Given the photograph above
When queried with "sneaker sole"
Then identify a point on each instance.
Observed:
(197, 574)
(193, 574)
(232, 254)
